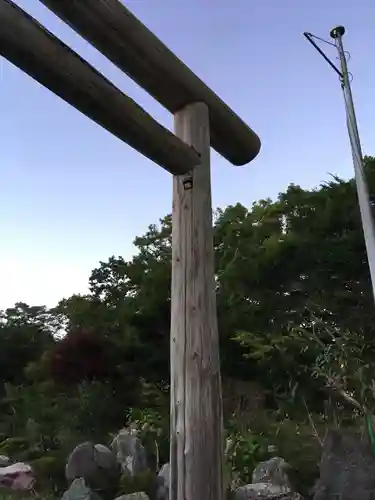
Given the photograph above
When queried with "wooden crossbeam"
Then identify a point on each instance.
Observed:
(36, 51)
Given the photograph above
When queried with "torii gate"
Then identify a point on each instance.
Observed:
(201, 119)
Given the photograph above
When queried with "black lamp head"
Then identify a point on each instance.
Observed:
(337, 32)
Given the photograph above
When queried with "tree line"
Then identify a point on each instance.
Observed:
(295, 315)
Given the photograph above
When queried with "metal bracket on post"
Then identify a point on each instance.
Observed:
(188, 183)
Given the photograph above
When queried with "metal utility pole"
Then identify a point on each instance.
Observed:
(362, 189)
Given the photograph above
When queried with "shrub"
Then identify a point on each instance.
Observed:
(144, 481)
(153, 431)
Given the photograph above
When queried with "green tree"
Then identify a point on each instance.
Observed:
(138, 295)
(279, 265)
(25, 333)
(306, 272)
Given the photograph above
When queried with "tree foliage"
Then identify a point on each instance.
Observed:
(295, 315)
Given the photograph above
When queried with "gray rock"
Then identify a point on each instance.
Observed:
(105, 458)
(162, 483)
(4, 461)
(347, 469)
(19, 476)
(87, 459)
(130, 453)
(274, 471)
(270, 482)
(133, 496)
(265, 491)
(79, 491)
(97, 465)
(81, 462)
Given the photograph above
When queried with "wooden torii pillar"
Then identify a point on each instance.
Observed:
(201, 120)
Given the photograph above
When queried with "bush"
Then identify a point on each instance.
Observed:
(243, 452)
(145, 481)
(14, 446)
(293, 440)
(153, 431)
(49, 474)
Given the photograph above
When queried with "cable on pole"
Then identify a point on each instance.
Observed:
(310, 37)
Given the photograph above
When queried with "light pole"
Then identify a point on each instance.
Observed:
(360, 178)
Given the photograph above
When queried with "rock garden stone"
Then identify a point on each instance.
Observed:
(162, 483)
(130, 453)
(78, 490)
(270, 482)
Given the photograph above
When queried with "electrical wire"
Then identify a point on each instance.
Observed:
(322, 40)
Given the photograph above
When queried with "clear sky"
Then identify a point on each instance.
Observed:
(71, 194)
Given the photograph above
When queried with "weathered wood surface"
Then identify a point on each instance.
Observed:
(37, 52)
(196, 401)
(110, 27)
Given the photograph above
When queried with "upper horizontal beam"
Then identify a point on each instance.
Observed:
(111, 28)
(28, 45)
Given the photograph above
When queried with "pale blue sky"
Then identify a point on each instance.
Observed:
(67, 203)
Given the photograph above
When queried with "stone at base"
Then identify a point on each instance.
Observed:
(134, 496)
(265, 491)
(79, 491)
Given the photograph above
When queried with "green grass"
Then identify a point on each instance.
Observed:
(10, 495)
(5, 495)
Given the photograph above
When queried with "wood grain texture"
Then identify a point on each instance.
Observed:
(196, 401)
(28, 45)
(110, 27)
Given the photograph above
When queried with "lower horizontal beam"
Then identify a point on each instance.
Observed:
(112, 29)
(29, 46)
